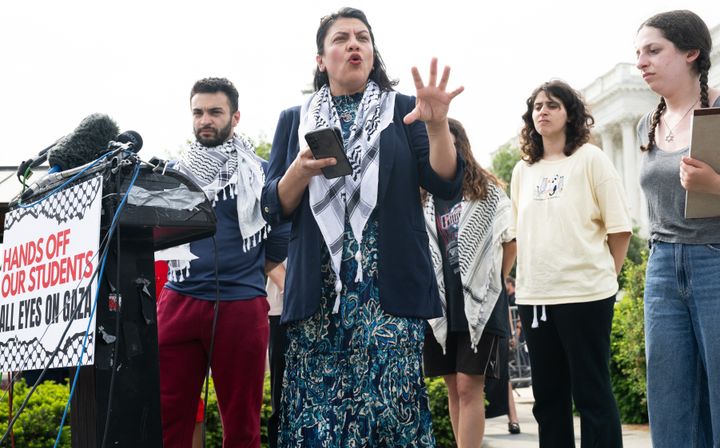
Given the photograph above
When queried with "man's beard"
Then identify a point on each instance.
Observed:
(220, 137)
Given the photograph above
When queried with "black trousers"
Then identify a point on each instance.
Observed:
(569, 358)
(276, 348)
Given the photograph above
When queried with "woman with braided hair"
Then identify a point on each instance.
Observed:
(682, 302)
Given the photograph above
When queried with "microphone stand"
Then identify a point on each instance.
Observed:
(119, 156)
(26, 166)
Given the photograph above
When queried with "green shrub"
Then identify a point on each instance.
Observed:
(265, 411)
(627, 342)
(437, 393)
(442, 428)
(213, 424)
(37, 426)
(636, 248)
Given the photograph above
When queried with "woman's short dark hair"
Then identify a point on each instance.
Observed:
(687, 31)
(378, 72)
(577, 129)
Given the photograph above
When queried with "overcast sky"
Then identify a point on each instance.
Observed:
(136, 60)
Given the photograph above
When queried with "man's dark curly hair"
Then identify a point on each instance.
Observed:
(577, 130)
(215, 85)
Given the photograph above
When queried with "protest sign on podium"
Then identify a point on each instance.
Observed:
(49, 257)
(114, 219)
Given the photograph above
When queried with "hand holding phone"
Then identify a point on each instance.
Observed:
(327, 142)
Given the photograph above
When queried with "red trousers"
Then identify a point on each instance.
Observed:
(238, 365)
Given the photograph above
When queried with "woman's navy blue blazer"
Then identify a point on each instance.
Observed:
(406, 279)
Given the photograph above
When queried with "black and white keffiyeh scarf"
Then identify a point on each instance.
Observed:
(484, 227)
(232, 169)
(355, 194)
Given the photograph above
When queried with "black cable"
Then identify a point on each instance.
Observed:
(86, 293)
(72, 311)
(24, 178)
(104, 247)
(212, 339)
(113, 225)
(103, 242)
(11, 388)
(116, 347)
(54, 353)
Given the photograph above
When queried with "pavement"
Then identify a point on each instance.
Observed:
(497, 436)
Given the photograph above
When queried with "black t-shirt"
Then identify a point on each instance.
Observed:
(447, 220)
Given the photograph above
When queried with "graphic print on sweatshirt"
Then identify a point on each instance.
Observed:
(447, 221)
(549, 187)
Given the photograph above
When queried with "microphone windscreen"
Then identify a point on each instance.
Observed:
(83, 145)
(131, 137)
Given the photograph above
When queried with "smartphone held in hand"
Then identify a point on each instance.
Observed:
(327, 142)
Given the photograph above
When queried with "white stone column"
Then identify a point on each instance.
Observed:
(608, 145)
(631, 171)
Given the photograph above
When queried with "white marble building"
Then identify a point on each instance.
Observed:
(618, 99)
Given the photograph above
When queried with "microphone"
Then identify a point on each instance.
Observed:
(53, 178)
(91, 132)
(127, 141)
(82, 145)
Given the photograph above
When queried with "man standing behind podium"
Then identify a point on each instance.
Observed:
(226, 167)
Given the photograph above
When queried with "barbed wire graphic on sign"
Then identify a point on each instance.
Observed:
(32, 355)
(69, 203)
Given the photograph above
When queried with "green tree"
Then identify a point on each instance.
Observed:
(504, 161)
(262, 149)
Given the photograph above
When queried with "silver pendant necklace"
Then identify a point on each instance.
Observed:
(670, 137)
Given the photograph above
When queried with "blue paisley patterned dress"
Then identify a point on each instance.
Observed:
(354, 379)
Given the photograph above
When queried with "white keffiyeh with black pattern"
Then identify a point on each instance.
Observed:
(355, 194)
(484, 228)
(231, 169)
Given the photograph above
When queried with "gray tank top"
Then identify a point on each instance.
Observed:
(660, 181)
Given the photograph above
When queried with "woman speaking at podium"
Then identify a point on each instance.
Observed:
(359, 280)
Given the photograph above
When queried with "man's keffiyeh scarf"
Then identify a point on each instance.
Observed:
(355, 194)
(232, 169)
